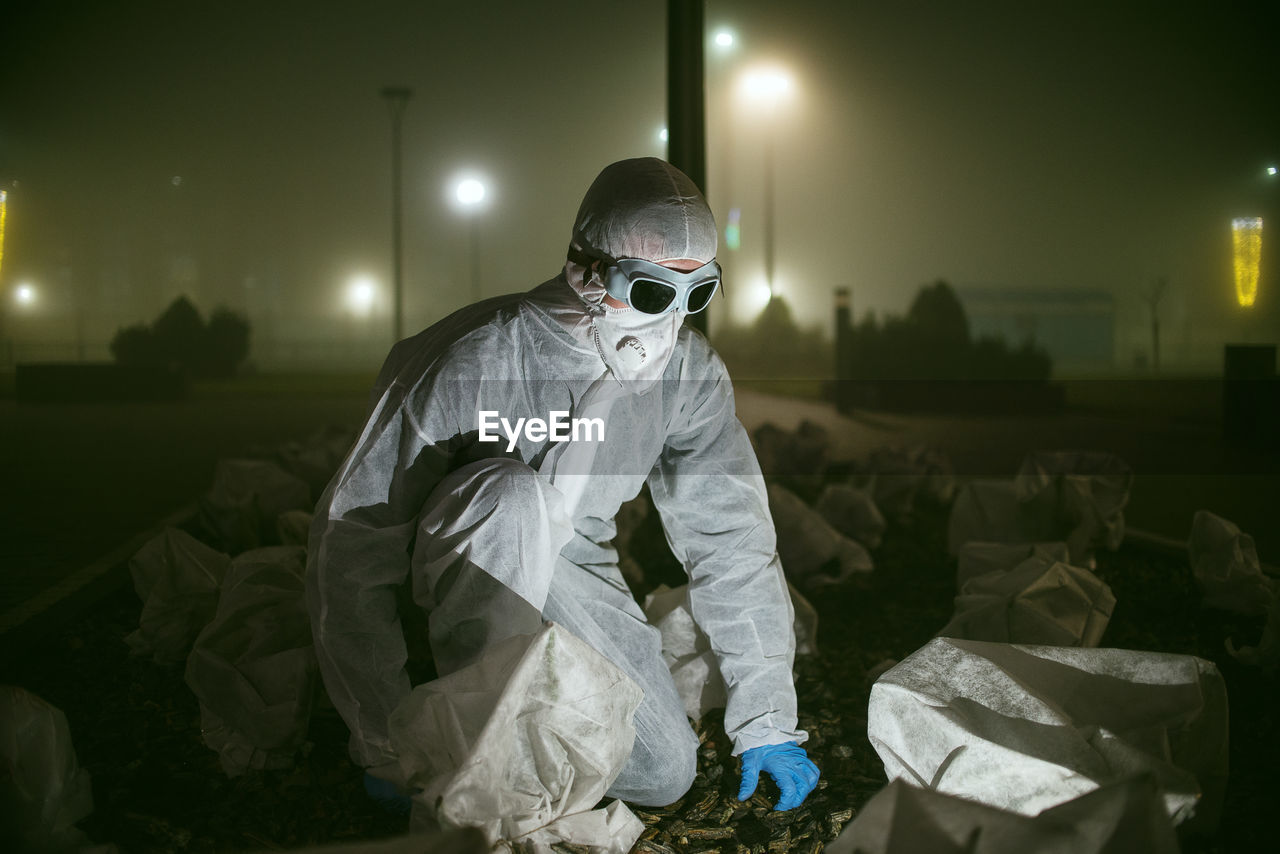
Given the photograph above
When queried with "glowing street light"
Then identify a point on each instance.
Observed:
(1246, 243)
(25, 295)
(766, 85)
(470, 191)
(1271, 170)
(362, 292)
(724, 40)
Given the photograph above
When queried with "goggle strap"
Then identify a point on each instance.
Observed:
(577, 256)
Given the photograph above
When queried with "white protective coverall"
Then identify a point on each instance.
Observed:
(497, 539)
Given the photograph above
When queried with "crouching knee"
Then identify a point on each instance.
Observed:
(660, 777)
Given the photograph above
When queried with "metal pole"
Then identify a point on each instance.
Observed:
(474, 229)
(686, 101)
(768, 209)
(397, 97)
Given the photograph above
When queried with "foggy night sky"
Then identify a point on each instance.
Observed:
(1056, 145)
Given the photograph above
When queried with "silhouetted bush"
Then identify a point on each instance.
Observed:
(180, 336)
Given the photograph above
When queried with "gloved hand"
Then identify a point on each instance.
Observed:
(787, 764)
(386, 794)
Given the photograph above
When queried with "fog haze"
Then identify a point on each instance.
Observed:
(240, 153)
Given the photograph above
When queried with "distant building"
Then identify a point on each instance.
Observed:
(1076, 327)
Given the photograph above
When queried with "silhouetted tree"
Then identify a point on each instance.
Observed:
(179, 336)
(135, 345)
(227, 342)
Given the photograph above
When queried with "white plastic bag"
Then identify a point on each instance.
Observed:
(1040, 601)
(43, 790)
(1120, 818)
(240, 509)
(1267, 653)
(814, 555)
(293, 527)
(978, 558)
(1025, 728)
(522, 744)
(902, 474)
(687, 651)
(177, 578)
(1084, 492)
(1226, 566)
(852, 512)
(1077, 497)
(253, 667)
(316, 458)
(989, 511)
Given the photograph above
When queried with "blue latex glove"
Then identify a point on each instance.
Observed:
(787, 764)
(386, 794)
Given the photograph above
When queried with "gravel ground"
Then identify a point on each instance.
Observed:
(157, 788)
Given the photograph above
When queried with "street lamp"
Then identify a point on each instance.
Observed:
(361, 293)
(397, 97)
(470, 194)
(767, 88)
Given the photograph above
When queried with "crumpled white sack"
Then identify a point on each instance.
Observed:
(1084, 492)
(177, 578)
(1040, 601)
(978, 558)
(293, 527)
(901, 474)
(317, 457)
(687, 651)
(523, 744)
(240, 509)
(254, 667)
(1119, 818)
(1226, 566)
(1025, 728)
(809, 547)
(989, 511)
(43, 790)
(852, 512)
(800, 453)
(1267, 653)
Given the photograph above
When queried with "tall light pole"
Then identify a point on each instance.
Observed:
(397, 97)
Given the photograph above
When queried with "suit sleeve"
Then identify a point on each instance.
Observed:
(711, 496)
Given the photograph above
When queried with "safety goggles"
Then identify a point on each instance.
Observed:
(654, 289)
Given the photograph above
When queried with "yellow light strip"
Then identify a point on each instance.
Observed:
(3, 209)
(1246, 242)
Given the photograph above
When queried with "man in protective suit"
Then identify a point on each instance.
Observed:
(499, 530)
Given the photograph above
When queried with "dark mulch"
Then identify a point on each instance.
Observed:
(157, 788)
